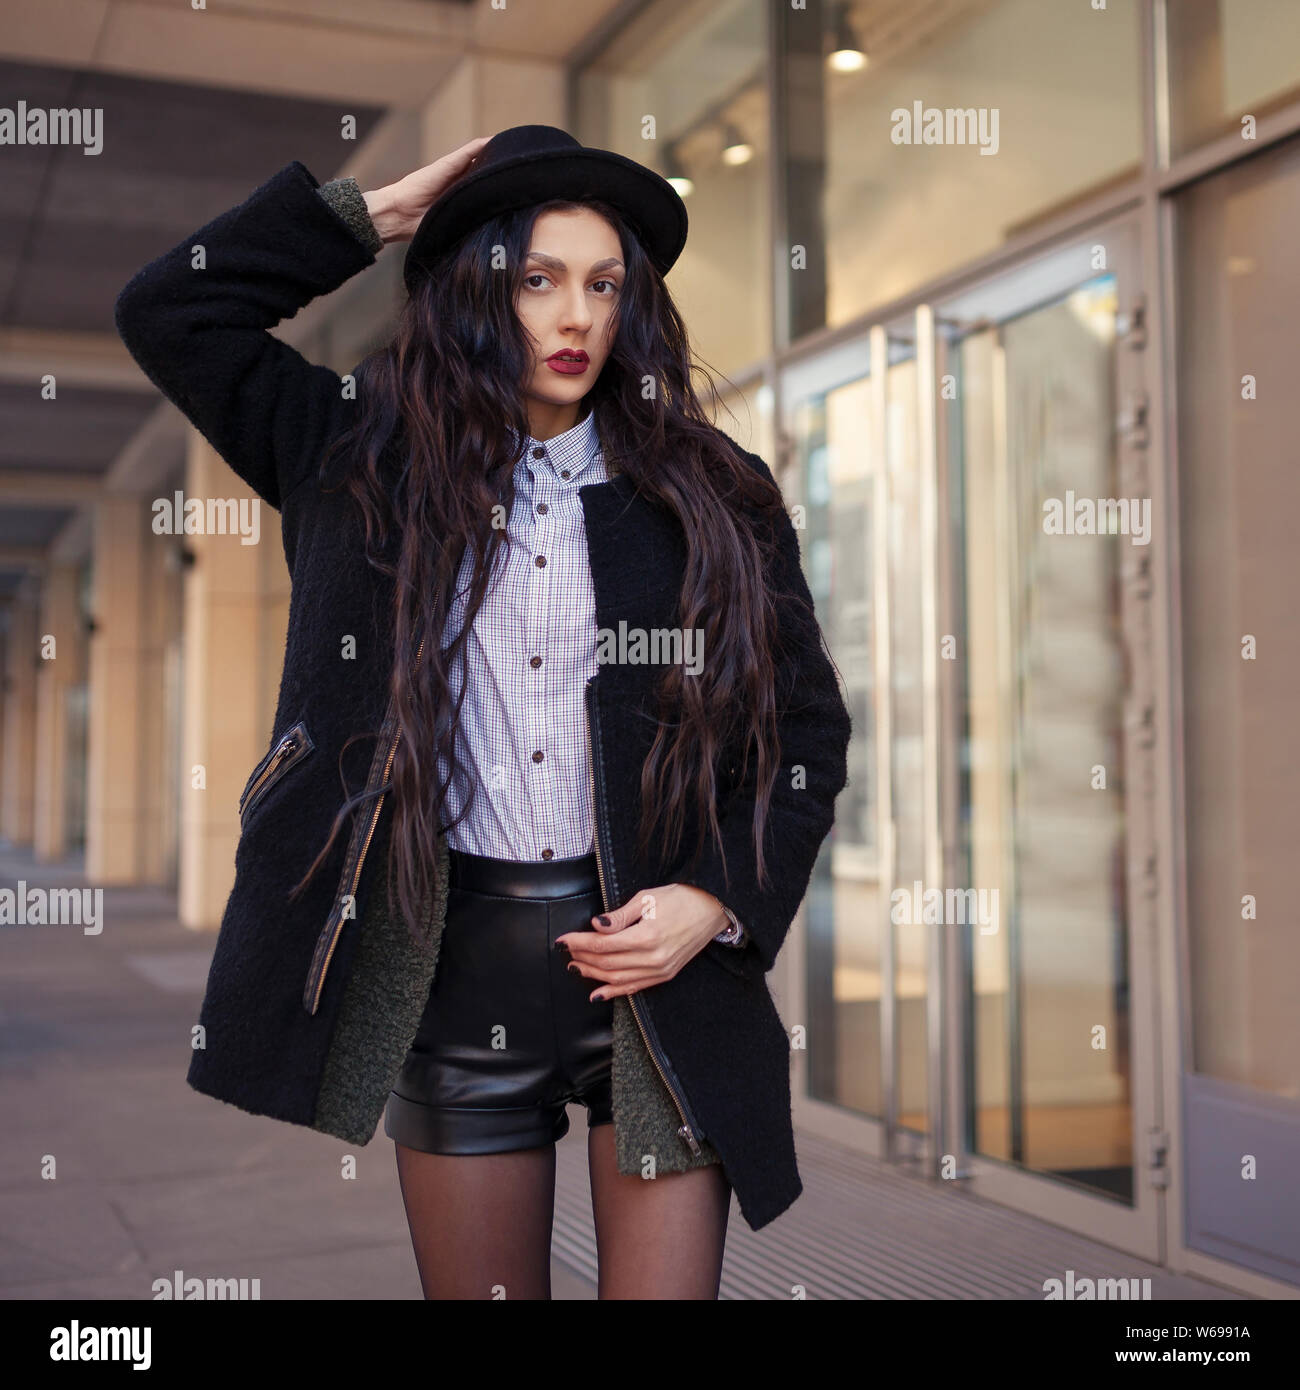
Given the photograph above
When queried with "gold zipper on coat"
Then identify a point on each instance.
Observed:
(361, 858)
(251, 794)
(684, 1131)
(289, 744)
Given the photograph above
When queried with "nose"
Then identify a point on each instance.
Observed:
(575, 314)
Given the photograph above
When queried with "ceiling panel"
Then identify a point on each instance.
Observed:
(82, 429)
(31, 525)
(74, 227)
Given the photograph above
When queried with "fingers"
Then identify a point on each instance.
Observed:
(463, 156)
(615, 924)
(618, 918)
(614, 991)
(611, 983)
(632, 972)
(631, 944)
(618, 968)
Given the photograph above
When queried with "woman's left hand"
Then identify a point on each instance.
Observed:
(648, 939)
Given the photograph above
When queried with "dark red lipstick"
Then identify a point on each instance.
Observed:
(569, 361)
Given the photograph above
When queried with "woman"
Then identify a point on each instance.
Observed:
(550, 635)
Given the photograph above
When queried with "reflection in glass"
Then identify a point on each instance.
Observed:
(843, 905)
(1052, 92)
(1044, 774)
(682, 88)
(1229, 59)
(1239, 495)
(907, 740)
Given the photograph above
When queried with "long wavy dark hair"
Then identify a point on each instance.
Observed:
(449, 387)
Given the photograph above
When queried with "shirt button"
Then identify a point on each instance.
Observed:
(540, 562)
(548, 854)
(564, 472)
(539, 453)
(542, 509)
(534, 662)
(538, 756)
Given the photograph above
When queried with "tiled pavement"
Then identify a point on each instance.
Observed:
(151, 1177)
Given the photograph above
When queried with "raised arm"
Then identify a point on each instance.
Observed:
(196, 319)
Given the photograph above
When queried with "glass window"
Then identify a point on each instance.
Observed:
(833, 485)
(1229, 59)
(919, 137)
(683, 89)
(1239, 493)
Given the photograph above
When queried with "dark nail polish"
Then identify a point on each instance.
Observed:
(562, 946)
(603, 920)
(573, 965)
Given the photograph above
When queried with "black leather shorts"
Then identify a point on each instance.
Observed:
(509, 1035)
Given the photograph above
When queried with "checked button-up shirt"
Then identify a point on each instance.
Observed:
(522, 743)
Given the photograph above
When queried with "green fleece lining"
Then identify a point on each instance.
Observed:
(383, 1001)
(645, 1118)
(346, 198)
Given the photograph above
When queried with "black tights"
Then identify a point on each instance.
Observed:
(481, 1224)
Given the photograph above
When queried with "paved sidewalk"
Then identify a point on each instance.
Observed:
(150, 1177)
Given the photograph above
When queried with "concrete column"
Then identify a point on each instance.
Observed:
(160, 616)
(115, 748)
(225, 726)
(17, 792)
(60, 645)
(5, 659)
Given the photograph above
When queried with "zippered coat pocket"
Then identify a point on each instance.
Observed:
(289, 749)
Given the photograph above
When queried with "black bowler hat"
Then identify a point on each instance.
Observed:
(530, 164)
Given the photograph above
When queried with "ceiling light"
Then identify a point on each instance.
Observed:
(846, 53)
(735, 148)
(680, 181)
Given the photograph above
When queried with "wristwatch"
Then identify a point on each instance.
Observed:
(734, 935)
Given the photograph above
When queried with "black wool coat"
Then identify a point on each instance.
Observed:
(311, 1003)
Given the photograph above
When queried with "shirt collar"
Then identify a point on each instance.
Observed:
(572, 451)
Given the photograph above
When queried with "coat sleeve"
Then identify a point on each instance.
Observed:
(196, 320)
(814, 727)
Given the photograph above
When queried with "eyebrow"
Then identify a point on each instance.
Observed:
(554, 262)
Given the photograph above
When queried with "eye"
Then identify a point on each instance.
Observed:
(613, 285)
(536, 275)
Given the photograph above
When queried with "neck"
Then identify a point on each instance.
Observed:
(546, 420)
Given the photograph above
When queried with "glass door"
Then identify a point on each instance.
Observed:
(863, 977)
(977, 533)
(1049, 715)
(837, 965)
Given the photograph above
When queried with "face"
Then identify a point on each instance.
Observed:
(572, 279)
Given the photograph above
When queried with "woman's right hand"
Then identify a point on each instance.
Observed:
(397, 208)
